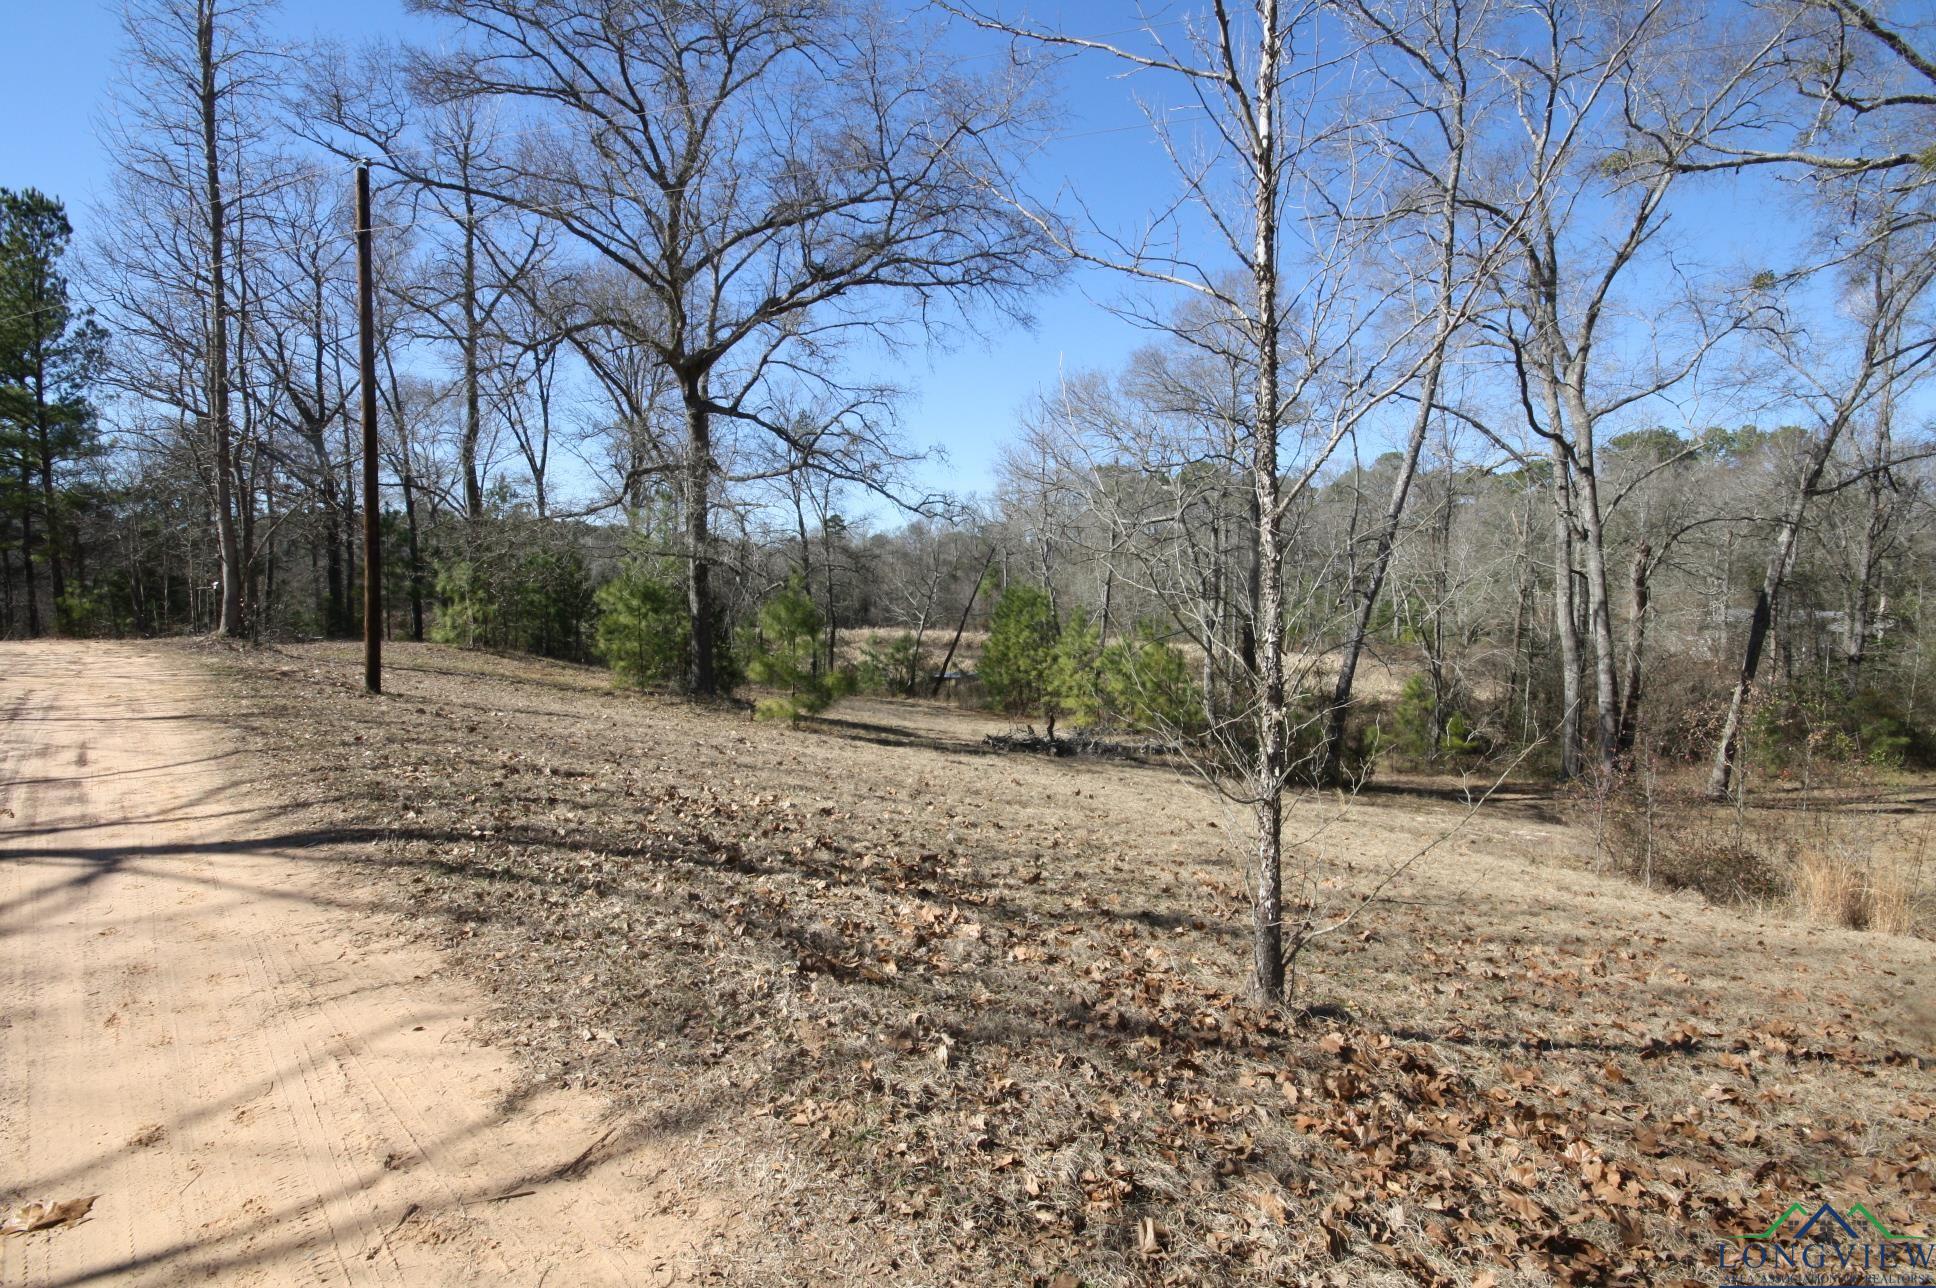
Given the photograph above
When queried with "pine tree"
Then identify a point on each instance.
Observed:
(1074, 690)
(788, 645)
(642, 629)
(49, 351)
(1018, 662)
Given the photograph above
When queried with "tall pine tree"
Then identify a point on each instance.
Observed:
(48, 353)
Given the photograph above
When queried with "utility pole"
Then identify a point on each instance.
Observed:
(366, 365)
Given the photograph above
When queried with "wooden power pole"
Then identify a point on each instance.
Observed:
(366, 366)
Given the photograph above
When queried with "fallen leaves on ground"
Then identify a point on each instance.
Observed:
(958, 1026)
(46, 1214)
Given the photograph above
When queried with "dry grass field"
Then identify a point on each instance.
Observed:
(927, 1014)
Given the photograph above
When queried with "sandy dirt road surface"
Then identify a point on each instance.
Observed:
(200, 1024)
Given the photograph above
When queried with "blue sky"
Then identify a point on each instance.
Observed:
(57, 62)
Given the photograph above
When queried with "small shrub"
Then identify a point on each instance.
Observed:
(1791, 730)
(643, 633)
(1721, 868)
(1461, 739)
(1418, 732)
(466, 612)
(1885, 736)
(1147, 684)
(551, 600)
(1017, 661)
(95, 611)
(1821, 726)
(891, 664)
(1676, 841)
(1074, 680)
(503, 595)
(784, 657)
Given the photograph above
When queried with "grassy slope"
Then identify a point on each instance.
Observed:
(941, 1016)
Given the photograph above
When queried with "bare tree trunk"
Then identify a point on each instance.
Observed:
(245, 541)
(1247, 619)
(348, 531)
(1565, 626)
(1213, 599)
(416, 556)
(1894, 288)
(1521, 587)
(1781, 561)
(1383, 541)
(1387, 533)
(218, 339)
(1599, 613)
(266, 608)
(702, 677)
(827, 574)
(1102, 607)
(1636, 649)
(795, 483)
(913, 676)
(27, 550)
(49, 505)
(1862, 593)
(6, 584)
(338, 615)
(1267, 933)
(473, 413)
(1434, 637)
(962, 625)
(1868, 557)
(244, 486)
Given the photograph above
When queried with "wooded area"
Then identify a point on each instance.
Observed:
(1435, 378)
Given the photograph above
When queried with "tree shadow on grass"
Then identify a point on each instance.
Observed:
(895, 736)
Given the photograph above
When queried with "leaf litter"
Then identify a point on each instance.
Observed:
(950, 1018)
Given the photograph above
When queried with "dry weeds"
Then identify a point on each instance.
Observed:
(1852, 855)
(1838, 886)
(944, 1016)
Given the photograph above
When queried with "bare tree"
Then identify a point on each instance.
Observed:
(198, 78)
(637, 433)
(1869, 80)
(1888, 262)
(1431, 53)
(528, 388)
(1863, 538)
(1273, 189)
(1608, 111)
(297, 339)
(762, 173)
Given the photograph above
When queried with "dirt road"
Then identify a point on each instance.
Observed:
(201, 1026)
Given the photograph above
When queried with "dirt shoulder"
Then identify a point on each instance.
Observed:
(211, 1031)
(942, 1016)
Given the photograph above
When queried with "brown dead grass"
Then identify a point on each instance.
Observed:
(1854, 855)
(941, 1016)
(1831, 891)
(1838, 888)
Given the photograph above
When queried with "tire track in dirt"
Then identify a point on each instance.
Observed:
(196, 1025)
